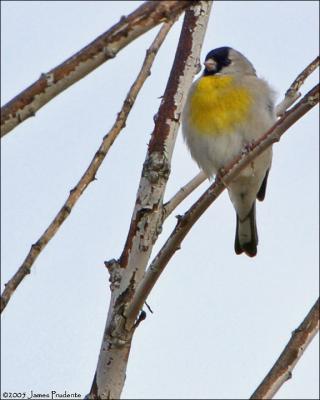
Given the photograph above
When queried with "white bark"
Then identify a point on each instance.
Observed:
(147, 216)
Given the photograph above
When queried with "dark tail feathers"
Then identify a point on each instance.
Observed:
(246, 239)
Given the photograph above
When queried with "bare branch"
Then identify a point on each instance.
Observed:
(147, 216)
(91, 171)
(282, 369)
(298, 82)
(102, 49)
(186, 222)
(292, 94)
(183, 193)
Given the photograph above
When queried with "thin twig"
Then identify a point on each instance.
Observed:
(102, 49)
(292, 94)
(186, 222)
(91, 171)
(148, 307)
(282, 369)
(298, 82)
(184, 192)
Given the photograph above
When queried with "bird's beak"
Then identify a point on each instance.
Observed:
(210, 65)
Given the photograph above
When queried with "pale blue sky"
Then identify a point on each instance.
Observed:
(220, 320)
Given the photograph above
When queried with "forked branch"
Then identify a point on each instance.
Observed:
(90, 173)
(102, 49)
(292, 94)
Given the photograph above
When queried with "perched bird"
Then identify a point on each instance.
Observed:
(227, 108)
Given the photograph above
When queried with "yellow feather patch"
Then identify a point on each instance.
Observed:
(217, 105)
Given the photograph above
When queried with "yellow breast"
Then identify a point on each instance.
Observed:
(218, 105)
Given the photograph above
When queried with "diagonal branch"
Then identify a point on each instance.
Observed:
(292, 94)
(102, 49)
(298, 82)
(89, 174)
(182, 193)
(186, 222)
(282, 369)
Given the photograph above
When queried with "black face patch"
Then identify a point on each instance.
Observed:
(221, 56)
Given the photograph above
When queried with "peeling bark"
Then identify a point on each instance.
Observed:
(147, 215)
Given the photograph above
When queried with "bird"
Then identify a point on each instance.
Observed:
(226, 110)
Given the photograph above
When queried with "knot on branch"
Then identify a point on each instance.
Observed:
(118, 336)
(151, 50)
(198, 10)
(291, 93)
(156, 167)
(108, 53)
(126, 296)
(49, 78)
(128, 103)
(297, 331)
(289, 375)
(313, 100)
(114, 269)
